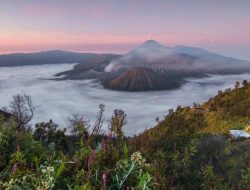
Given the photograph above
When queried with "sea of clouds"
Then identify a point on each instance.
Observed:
(58, 100)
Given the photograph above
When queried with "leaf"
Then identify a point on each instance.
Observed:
(144, 180)
(60, 169)
(125, 150)
(99, 147)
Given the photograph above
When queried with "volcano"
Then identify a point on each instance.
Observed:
(182, 59)
(141, 79)
(152, 66)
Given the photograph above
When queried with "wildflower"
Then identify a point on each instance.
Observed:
(14, 168)
(89, 164)
(109, 137)
(136, 156)
(93, 155)
(44, 170)
(11, 181)
(103, 145)
(50, 169)
(104, 177)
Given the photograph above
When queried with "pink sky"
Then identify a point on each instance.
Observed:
(118, 26)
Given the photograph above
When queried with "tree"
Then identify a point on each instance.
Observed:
(170, 111)
(178, 108)
(118, 120)
(79, 128)
(237, 84)
(211, 181)
(244, 83)
(48, 132)
(195, 105)
(22, 107)
(220, 92)
(99, 121)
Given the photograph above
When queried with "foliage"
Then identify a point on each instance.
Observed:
(188, 149)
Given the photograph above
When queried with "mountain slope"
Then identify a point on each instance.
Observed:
(153, 55)
(140, 79)
(91, 68)
(227, 110)
(232, 102)
(205, 129)
(46, 57)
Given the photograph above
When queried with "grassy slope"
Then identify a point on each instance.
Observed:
(208, 132)
(227, 110)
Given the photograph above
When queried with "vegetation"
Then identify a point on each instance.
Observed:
(200, 133)
(189, 149)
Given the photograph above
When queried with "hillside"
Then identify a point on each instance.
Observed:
(232, 102)
(229, 106)
(205, 128)
(227, 110)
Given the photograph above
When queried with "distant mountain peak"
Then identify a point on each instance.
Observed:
(151, 44)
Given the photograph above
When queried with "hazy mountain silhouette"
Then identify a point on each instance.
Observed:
(153, 55)
(150, 66)
(46, 57)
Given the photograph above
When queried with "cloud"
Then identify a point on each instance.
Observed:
(59, 99)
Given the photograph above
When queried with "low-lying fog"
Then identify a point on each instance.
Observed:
(57, 100)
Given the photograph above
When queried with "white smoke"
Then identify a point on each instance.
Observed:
(113, 66)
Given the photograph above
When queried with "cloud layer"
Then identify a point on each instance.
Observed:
(59, 99)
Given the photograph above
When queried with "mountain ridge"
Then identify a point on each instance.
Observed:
(174, 64)
(45, 57)
(180, 62)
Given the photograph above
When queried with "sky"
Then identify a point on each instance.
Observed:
(116, 26)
